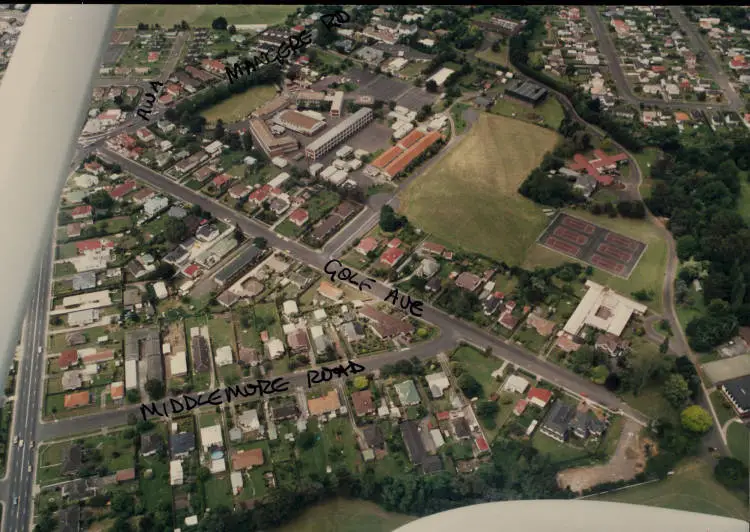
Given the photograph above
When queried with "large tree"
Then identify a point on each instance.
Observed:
(675, 390)
(696, 419)
(175, 230)
(732, 473)
(219, 23)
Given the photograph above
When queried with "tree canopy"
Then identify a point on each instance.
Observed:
(696, 419)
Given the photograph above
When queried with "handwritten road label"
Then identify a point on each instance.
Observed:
(149, 98)
(405, 302)
(262, 387)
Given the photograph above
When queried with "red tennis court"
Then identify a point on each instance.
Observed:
(621, 241)
(561, 245)
(606, 249)
(607, 264)
(567, 234)
(579, 225)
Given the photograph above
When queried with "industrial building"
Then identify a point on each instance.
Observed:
(331, 138)
(526, 92)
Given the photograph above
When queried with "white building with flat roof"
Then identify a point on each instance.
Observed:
(441, 76)
(603, 309)
(176, 475)
(211, 436)
(131, 374)
(337, 134)
(178, 364)
(223, 356)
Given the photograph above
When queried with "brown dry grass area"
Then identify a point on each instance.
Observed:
(471, 198)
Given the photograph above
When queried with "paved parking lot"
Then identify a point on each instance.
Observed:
(416, 97)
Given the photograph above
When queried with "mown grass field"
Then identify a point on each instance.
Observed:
(691, 488)
(498, 58)
(550, 111)
(738, 439)
(648, 274)
(240, 105)
(202, 15)
(471, 198)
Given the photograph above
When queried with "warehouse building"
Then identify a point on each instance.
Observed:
(334, 136)
(526, 92)
(271, 146)
(299, 122)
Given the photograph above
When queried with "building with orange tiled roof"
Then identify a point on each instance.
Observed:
(76, 399)
(403, 160)
(247, 459)
(325, 404)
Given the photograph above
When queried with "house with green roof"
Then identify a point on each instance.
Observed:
(407, 393)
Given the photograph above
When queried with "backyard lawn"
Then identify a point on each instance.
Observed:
(691, 488)
(557, 452)
(738, 439)
(240, 105)
(202, 15)
(479, 366)
(477, 183)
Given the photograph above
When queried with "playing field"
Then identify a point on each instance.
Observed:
(647, 275)
(691, 488)
(471, 198)
(202, 15)
(239, 106)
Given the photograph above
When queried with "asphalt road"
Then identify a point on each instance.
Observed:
(19, 480)
(450, 326)
(607, 47)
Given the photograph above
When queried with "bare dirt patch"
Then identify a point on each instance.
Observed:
(626, 463)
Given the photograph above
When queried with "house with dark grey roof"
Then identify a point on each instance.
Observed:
(737, 391)
(413, 441)
(238, 266)
(432, 464)
(72, 460)
(288, 411)
(150, 444)
(526, 91)
(374, 437)
(557, 423)
(461, 428)
(181, 444)
(586, 424)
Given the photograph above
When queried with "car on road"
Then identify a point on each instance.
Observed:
(39, 350)
(15, 500)
(20, 443)
(31, 444)
(15, 439)
(29, 470)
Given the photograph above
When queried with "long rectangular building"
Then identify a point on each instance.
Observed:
(271, 146)
(237, 267)
(271, 107)
(334, 136)
(337, 104)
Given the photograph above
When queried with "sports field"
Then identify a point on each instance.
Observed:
(202, 15)
(471, 199)
(647, 275)
(691, 488)
(240, 105)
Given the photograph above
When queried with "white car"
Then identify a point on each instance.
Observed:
(20, 443)
(39, 350)
(31, 444)
(29, 469)
(15, 439)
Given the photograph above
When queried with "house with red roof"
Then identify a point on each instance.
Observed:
(658, 69)
(101, 356)
(192, 271)
(366, 245)
(77, 399)
(481, 444)
(144, 135)
(391, 256)
(212, 65)
(539, 396)
(174, 89)
(431, 247)
(93, 167)
(117, 390)
(394, 243)
(299, 217)
(221, 180)
(738, 62)
(82, 211)
(67, 358)
(153, 57)
(520, 407)
(166, 99)
(95, 244)
(259, 195)
(443, 416)
(120, 191)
